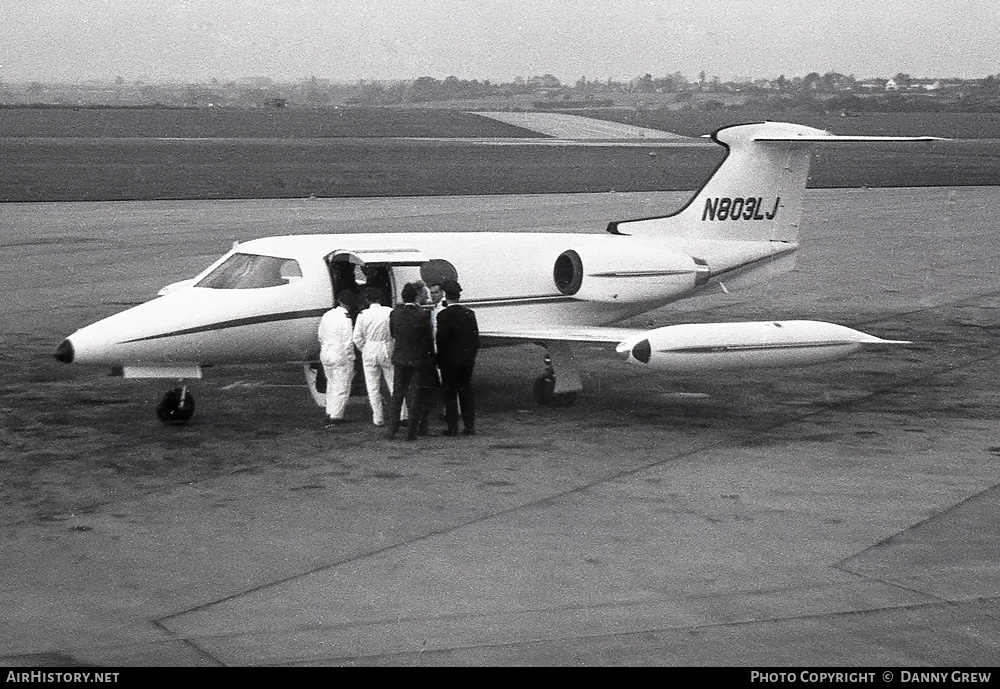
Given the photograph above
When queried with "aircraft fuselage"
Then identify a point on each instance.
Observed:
(508, 278)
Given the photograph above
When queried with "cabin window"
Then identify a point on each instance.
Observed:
(252, 271)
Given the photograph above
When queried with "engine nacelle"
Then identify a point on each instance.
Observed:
(627, 274)
(694, 347)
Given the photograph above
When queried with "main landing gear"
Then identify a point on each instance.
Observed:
(177, 407)
(543, 391)
(560, 389)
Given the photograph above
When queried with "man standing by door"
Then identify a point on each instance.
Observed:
(432, 300)
(457, 346)
(412, 357)
(336, 353)
(435, 302)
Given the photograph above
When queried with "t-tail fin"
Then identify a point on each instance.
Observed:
(756, 192)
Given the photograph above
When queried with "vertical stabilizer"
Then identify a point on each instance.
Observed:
(754, 195)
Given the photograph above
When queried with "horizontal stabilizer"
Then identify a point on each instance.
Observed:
(835, 138)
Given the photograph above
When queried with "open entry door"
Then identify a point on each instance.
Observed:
(386, 269)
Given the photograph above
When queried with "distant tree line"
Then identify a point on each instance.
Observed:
(830, 91)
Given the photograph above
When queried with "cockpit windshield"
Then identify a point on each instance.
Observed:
(251, 271)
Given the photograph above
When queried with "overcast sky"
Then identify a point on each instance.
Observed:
(347, 40)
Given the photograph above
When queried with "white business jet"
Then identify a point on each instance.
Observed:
(262, 301)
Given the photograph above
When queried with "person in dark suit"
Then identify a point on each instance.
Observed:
(457, 346)
(412, 358)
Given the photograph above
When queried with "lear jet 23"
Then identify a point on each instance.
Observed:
(262, 301)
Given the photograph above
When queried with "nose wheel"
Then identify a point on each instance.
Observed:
(176, 407)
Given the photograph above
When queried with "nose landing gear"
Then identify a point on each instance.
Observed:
(177, 407)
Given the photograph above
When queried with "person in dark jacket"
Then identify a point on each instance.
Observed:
(412, 358)
(457, 346)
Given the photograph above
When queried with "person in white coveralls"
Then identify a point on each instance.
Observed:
(336, 353)
(374, 341)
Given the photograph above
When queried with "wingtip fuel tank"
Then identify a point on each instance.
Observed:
(692, 347)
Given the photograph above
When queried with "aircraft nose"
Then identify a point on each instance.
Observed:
(64, 352)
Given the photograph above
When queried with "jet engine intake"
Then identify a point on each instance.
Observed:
(627, 274)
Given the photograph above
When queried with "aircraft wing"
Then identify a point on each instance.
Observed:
(832, 138)
(591, 334)
(710, 346)
(557, 341)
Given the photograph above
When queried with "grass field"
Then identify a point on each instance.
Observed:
(262, 123)
(68, 155)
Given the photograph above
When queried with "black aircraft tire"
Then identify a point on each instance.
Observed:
(172, 411)
(542, 392)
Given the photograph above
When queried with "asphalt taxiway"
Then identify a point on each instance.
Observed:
(843, 514)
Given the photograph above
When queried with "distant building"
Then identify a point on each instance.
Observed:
(876, 84)
(926, 84)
